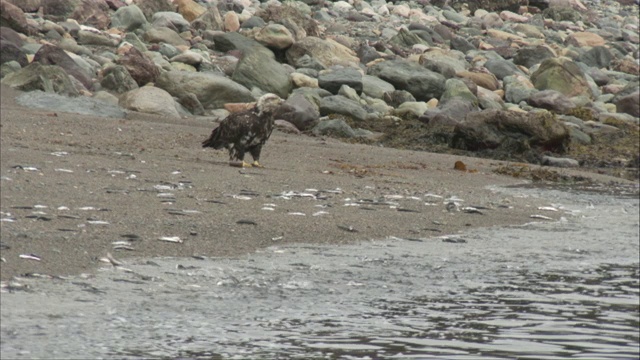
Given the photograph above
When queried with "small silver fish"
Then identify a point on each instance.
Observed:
(173, 239)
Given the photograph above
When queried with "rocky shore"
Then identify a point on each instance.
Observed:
(105, 103)
(551, 82)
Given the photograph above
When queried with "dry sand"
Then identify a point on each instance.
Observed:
(120, 168)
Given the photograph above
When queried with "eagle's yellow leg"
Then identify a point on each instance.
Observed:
(257, 164)
(245, 164)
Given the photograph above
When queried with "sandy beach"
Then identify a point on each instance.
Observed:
(75, 188)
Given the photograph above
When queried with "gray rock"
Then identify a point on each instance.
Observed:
(502, 68)
(308, 62)
(406, 39)
(79, 105)
(327, 52)
(151, 100)
(563, 76)
(212, 91)
(461, 44)
(422, 83)
(375, 87)
(517, 88)
(396, 98)
(559, 162)
(332, 80)
(90, 38)
(597, 56)
(457, 89)
(168, 50)
(337, 104)
(334, 127)
(163, 35)
(551, 100)
(579, 137)
(106, 97)
(9, 67)
(117, 79)
(170, 20)
(235, 41)
(629, 104)
(512, 131)
(49, 78)
(532, 55)
(53, 55)
(259, 69)
(210, 20)
(128, 18)
(298, 111)
(411, 109)
(11, 52)
(134, 40)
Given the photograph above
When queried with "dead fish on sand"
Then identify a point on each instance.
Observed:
(172, 239)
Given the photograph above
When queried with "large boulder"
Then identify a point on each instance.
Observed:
(332, 80)
(551, 100)
(48, 78)
(260, 69)
(190, 9)
(532, 55)
(629, 104)
(298, 111)
(513, 131)
(423, 84)
(9, 51)
(128, 18)
(13, 17)
(141, 68)
(562, 75)
(327, 52)
(117, 79)
(235, 41)
(79, 105)
(151, 100)
(275, 36)
(337, 104)
(211, 90)
(163, 35)
(53, 55)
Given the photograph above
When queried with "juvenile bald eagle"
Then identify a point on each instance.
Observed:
(246, 131)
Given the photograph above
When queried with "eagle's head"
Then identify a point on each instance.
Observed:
(268, 104)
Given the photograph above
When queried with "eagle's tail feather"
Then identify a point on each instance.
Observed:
(214, 140)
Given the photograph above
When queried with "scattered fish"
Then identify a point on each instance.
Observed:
(131, 237)
(87, 208)
(241, 197)
(407, 210)
(547, 208)
(334, 191)
(540, 217)
(471, 210)
(296, 213)
(318, 213)
(246, 222)
(97, 222)
(432, 229)
(38, 206)
(8, 219)
(22, 207)
(432, 195)
(173, 239)
(62, 208)
(124, 247)
(63, 170)
(394, 197)
(59, 153)
(216, 201)
(348, 228)
(454, 240)
(38, 217)
(26, 168)
(68, 216)
(163, 187)
(30, 257)
(277, 238)
(166, 195)
(452, 206)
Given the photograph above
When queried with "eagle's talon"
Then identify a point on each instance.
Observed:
(257, 164)
(246, 164)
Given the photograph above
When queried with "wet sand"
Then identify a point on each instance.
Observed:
(72, 185)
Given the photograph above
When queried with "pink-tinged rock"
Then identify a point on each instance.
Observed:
(584, 38)
(626, 66)
(231, 21)
(27, 5)
(401, 10)
(383, 10)
(238, 107)
(115, 4)
(612, 88)
(485, 80)
(13, 17)
(93, 13)
(142, 69)
(189, 9)
(513, 17)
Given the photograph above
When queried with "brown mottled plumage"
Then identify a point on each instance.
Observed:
(246, 131)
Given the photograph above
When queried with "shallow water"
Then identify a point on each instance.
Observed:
(567, 289)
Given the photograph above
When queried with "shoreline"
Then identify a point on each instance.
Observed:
(73, 186)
